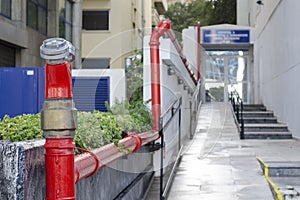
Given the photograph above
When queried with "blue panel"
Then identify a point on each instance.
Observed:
(90, 93)
(226, 36)
(19, 88)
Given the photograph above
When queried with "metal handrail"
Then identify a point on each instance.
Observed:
(164, 122)
(238, 108)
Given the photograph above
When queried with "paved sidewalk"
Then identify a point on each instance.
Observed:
(217, 165)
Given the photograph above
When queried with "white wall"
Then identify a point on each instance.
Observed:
(242, 12)
(190, 50)
(276, 58)
(170, 91)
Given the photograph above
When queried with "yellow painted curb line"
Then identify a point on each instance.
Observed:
(270, 181)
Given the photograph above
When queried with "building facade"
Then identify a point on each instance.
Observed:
(113, 29)
(276, 56)
(26, 23)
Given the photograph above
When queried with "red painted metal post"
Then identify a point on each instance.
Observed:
(59, 120)
(198, 51)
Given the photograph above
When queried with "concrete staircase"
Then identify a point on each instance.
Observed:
(260, 123)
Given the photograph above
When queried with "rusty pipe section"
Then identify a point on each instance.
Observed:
(89, 163)
(59, 119)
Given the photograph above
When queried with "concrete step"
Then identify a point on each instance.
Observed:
(254, 107)
(258, 114)
(268, 135)
(284, 168)
(258, 120)
(273, 127)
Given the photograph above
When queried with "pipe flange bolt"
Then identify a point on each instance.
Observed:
(57, 50)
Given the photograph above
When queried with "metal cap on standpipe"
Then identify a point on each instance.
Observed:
(57, 50)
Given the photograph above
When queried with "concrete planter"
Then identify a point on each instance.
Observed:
(22, 174)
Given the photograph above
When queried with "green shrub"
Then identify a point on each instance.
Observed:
(23, 127)
(131, 117)
(95, 129)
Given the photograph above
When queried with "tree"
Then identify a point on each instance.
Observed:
(208, 12)
(222, 11)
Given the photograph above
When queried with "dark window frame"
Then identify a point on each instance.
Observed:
(4, 14)
(98, 26)
(44, 8)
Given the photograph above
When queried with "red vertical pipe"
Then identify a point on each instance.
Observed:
(58, 81)
(198, 51)
(159, 31)
(59, 160)
(59, 154)
(155, 86)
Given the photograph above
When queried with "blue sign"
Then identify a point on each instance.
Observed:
(226, 36)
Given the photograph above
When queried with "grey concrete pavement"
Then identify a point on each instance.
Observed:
(217, 165)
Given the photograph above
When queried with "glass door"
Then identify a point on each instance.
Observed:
(226, 71)
(238, 76)
(215, 78)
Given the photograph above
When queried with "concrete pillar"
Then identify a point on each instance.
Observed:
(77, 32)
(53, 18)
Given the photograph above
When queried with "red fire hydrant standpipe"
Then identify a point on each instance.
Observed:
(59, 119)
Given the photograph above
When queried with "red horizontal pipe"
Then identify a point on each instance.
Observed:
(87, 164)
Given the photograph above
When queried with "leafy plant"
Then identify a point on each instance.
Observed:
(96, 129)
(23, 127)
(134, 78)
(131, 117)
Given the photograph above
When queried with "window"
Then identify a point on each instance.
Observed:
(7, 55)
(37, 15)
(95, 20)
(96, 63)
(65, 19)
(5, 8)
